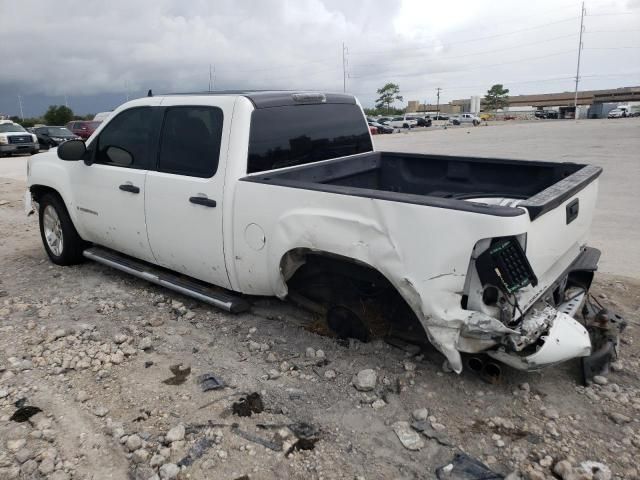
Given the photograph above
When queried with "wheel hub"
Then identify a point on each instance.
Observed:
(53, 230)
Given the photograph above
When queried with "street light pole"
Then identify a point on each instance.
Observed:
(575, 99)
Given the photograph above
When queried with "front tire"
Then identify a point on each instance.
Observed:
(59, 237)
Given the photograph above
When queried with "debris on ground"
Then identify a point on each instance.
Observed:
(23, 414)
(408, 437)
(209, 381)
(248, 405)
(180, 374)
(196, 451)
(464, 467)
(428, 431)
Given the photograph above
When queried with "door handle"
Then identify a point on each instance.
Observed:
(127, 187)
(207, 202)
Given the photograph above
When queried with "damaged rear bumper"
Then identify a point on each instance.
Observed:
(547, 335)
(564, 340)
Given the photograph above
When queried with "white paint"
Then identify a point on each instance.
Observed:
(425, 252)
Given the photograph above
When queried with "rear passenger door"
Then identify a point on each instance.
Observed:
(183, 202)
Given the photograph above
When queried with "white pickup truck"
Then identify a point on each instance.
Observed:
(264, 192)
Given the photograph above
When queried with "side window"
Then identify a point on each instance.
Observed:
(126, 140)
(190, 141)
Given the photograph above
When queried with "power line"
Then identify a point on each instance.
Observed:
(485, 52)
(396, 50)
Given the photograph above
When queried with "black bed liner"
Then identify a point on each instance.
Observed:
(441, 181)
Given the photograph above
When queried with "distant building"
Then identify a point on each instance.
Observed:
(591, 103)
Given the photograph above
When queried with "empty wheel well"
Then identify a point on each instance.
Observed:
(38, 191)
(335, 284)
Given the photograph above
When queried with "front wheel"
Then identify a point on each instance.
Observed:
(59, 237)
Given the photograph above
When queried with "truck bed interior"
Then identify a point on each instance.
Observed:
(441, 181)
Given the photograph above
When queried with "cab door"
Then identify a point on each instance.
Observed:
(184, 196)
(110, 190)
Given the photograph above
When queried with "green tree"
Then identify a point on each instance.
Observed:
(388, 95)
(58, 115)
(27, 122)
(497, 97)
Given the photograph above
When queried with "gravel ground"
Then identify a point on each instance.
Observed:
(96, 353)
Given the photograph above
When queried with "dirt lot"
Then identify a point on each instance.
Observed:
(92, 349)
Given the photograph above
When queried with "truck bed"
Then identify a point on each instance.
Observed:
(459, 183)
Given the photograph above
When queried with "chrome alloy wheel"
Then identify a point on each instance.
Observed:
(53, 230)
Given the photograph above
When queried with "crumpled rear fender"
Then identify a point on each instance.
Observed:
(434, 299)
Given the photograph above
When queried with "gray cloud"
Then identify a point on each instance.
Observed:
(104, 49)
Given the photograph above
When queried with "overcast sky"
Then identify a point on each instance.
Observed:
(97, 53)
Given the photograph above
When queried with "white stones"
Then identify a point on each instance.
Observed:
(409, 366)
(563, 469)
(330, 374)
(120, 338)
(140, 456)
(551, 413)
(145, 343)
(157, 460)
(378, 404)
(320, 354)
(134, 442)
(599, 470)
(4, 392)
(310, 352)
(546, 462)
(175, 434)
(82, 396)
(420, 414)
(365, 380)
(600, 380)
(100, 411)
(169, 471)
(15, 445)
(409, 438)
(273, 374)
(619, 418)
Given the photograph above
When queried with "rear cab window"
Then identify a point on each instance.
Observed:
(190, 141)
(286, 136)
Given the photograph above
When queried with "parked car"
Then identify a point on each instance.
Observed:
(421, 121)
(381, 128)
(617, 113)
(383, 120)
(259, 193)
(53, 136)
(83, 128)
(101, 116)
(545, 114)
(15, 139)
(465, 118)
(402, 122)
(373, 130)
(440, 116)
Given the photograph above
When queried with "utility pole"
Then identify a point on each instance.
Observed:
(438, 103)
(575, 99)
(344, 67)
(212, 78)
(20, 104)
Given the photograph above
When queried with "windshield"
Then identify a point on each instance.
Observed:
(11, 127)
(60, 132)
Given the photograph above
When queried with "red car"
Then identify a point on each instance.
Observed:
(83, 128)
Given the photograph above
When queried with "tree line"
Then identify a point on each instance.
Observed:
(497, 97)
(55, 115)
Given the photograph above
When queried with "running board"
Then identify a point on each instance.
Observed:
(179, 284)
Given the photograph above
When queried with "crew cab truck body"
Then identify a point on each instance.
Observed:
(240, 190)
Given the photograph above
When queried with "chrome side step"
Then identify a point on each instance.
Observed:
(192, 288)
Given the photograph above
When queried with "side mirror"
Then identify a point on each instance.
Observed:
(72, 150)
(119, 156)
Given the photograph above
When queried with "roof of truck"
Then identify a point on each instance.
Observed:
(279, 98)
